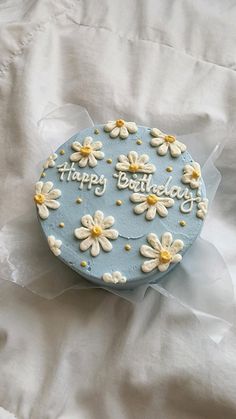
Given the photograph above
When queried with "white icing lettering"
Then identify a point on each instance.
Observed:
(68, 173)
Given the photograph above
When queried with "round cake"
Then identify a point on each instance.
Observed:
(121, 203)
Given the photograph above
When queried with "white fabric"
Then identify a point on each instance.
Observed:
(89, 354)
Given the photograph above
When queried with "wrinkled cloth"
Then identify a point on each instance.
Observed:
(88, 353)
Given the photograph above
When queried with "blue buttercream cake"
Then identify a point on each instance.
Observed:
(120, 203)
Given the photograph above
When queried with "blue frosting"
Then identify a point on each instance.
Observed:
(133, 229)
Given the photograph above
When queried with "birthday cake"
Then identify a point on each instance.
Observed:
(120, 203)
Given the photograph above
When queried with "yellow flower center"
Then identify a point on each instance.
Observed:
(152, 199)
(195, 174)
(120, 123)
(170, 138)
(133, 167)
(96, 231)
(39, 198)
(85, 151)
(165, 256)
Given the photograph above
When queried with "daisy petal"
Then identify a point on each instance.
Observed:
(111, 234)
(99, 155)
(108, 222)
(132, 127)
(76, 156)
(139, 209)
(176, 247)
(138, 197)
(197, 167)
(143, 159)
(133, 157)
(181, 146)
(47, 187)
(166, 239)
(54, 194)
(156, 142)
(123, 132)
(98, 218)
(154, 241)
(110, 126)
(162, 150)
(163, 267)
(149, 265)
(156, 132)
(86, 244)
(115, 132)
(151, 212)
(87, 221)
(177, 258)
(122, 166)
(83, 162)
(43, 211)
(168, 202)
(82, 233)
(148, 168)
(97, 145)
(95, 249)
(123, 159)
(161, 209)
(38, 187)
(91, 160)
(175, 151)
(87, 141)
(149, 252)
(105, 244)
(50, 203)
(76, 146)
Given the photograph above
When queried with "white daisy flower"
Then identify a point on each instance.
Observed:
(192, 175)
(161, 254)
(163, 142)
(134, 163)
(202, 208)
(87, 153)
(151, 203)
(45, 197)
(120, 128)
(114, 277)
(96, 232)
(54, 245)
(50, 162)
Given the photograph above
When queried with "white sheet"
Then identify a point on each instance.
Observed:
(90, 354)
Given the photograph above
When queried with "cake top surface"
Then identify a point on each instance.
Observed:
(121, 203)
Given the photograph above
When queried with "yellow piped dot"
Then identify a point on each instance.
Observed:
(109, 161)
(182, 223)
(169, 169)
(61, 225)
(165, 256)
(139, 142)
(120, 123)
(96, 231)
(85, 151)
(79, 200)
(169, 138)
(96, 131)
(83, 263)
(195, 174)
(127, 247)
(43, 174)
(133, 167)
(62, 152)
(39, 198)
(152, 199)
(119, 202)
